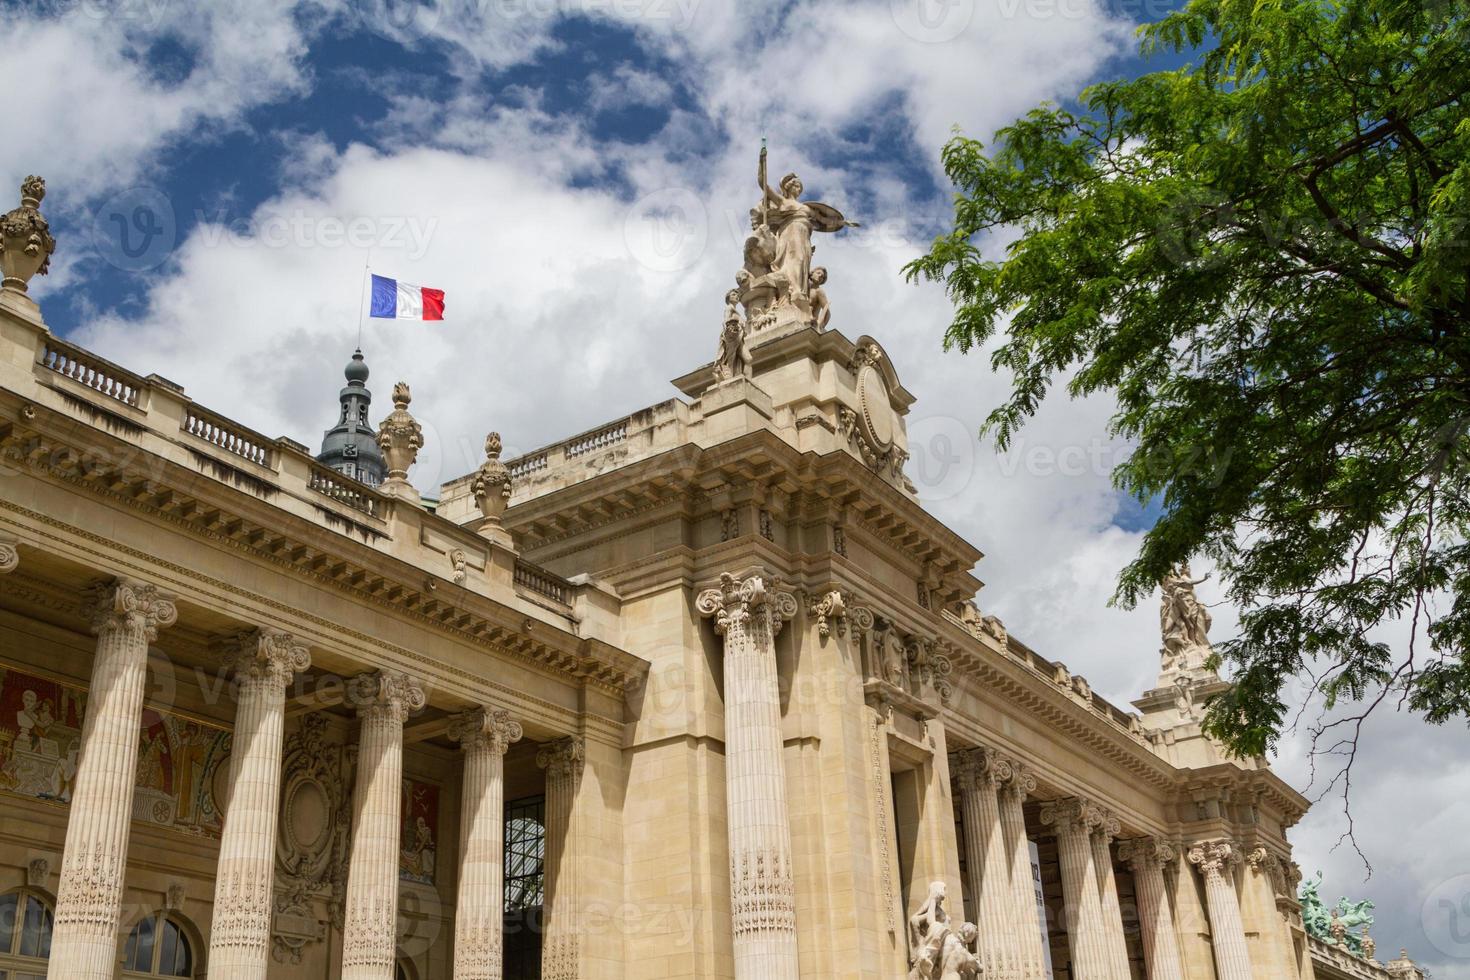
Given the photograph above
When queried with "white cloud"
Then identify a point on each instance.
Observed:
(555, 324)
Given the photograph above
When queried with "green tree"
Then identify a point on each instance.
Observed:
(1262, 256)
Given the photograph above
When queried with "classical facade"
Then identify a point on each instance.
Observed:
(703, 692)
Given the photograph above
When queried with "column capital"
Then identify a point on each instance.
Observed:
(385, 691)
(128, 604)
(982, 766)
(1214, 857)
(1108, 826)
(264, 654)
(1074, 812)
(563, 757)
(1021, 780)
(484, 727)
(1141, 852)
(9, 554)
(734, 601)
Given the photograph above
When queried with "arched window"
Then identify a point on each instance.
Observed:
(25, 935)
(158, 946)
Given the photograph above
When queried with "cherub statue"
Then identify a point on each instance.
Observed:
(733, 356)
(817, 296)
(958, 961)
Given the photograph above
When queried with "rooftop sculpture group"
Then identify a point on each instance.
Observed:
(777, 284)
(1337, 925)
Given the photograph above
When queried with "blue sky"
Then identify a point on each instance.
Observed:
(575, 175)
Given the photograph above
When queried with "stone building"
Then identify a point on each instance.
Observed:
(703, 692)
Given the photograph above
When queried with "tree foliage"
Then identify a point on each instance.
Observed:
(1262, 255)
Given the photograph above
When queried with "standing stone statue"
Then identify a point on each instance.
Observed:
(1183, 621)
(793, 221)
(732, 360)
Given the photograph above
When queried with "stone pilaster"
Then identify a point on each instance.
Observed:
(1030, 957)
(383, 701)
(484, 734)
(1075, 821)
(762, 887)
(561, 950)
(126, 617)
(9, 555)
(1107, 891)
(263, 662)
(977, 772)
(1146, 857)
(1216, 861)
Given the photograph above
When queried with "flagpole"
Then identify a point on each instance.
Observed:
(362, 301)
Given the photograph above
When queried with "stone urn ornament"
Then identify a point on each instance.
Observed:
(400, 437)
(492, 484)
(25, 238)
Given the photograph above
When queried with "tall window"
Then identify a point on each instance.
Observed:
(525, 871)
(25, 935)
(158, 947)
(525, 853)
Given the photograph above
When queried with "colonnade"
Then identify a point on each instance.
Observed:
(126, 617)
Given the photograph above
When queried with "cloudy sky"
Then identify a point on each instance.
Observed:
(575, 175)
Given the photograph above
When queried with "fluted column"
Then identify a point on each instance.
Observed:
(1075, 820)
(126, 617)
(9, 555)
(1146, 857)
(976, 773)
(762, 886)
(1014, 788)
(561, 950)
(263, 662)
(369, 936)
(1107, 891)
(1216, 861)
(484, 734)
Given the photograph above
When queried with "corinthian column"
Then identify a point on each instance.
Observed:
(1216, 860)
(484, 734)
(1075, 820)
(977, 772)
(240, 936)
(1107, 891)
(1146, 857)
(561, 955)
(369, 935)
(762, 887)
(1014, 788)
(126, 617)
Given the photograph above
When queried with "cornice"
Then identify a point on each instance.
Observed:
(241, 522)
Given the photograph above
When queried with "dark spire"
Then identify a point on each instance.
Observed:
(351, 446)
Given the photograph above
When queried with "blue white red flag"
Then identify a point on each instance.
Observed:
(396, 300)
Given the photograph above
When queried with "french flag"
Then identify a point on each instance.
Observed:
(396, 300)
